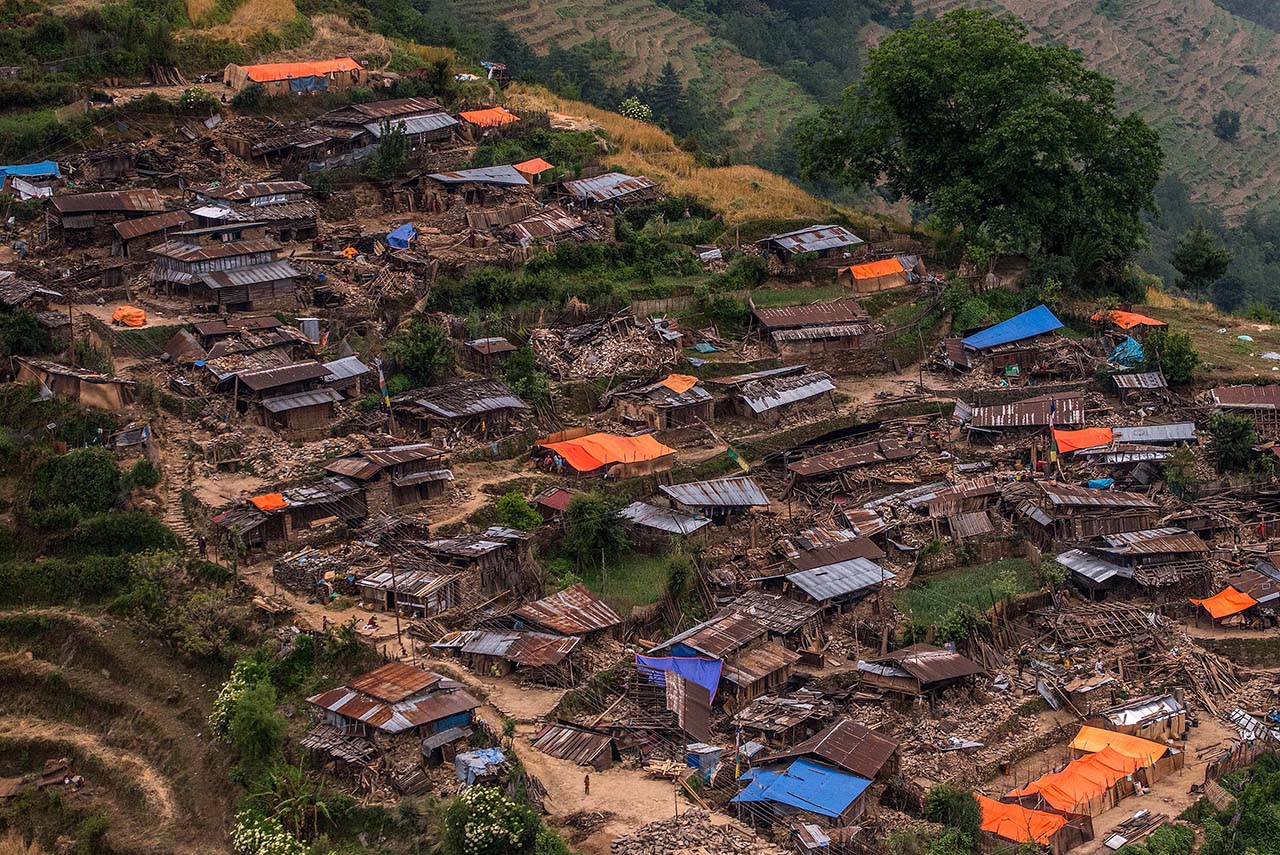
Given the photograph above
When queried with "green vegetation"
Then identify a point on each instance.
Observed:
(1174, 354)
(567, 151)
(1001, 140)
(1231, 442)
(1200, 259)
(22, 335)
(1174, 840)
(955, 808)
(522, 374)
(950, 603)
(514, 511)
(422, 350)
(1253, 826)
(594, 533)
(1226, 124)
(391, 155)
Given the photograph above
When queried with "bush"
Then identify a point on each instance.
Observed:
(122, 533)
(196, 100)
(249, 98)
(423, 351)
(86, 477)
(514, 511)
(1231, 443)
(255, 727)
(954, 808)
(142, 474)
(1172, 353)
(22, 335)
(483, 821)
(593, 529)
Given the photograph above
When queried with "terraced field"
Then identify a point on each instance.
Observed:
(1178, 62)
(761, 102)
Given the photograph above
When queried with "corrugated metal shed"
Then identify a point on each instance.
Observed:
(973, 524)
(1069, 495)
(1091, 566)
(466, 398)
(757, 663)
(1152, 434)
(840, 579)
(270, 378)
(777, 613)
(573, 611)
(1145, 380)
(1029, 324)
(394, 717)
(1033, 412)
(258, 274)
(760, 396)
(817, 314)
(720, 493)
(298, 400)
(1154, 541)
(414, 583)
(130, 229)
(580, 745)
(127, 201)
(813, 239)
(848, 458)
(847, 745)
(345, 369)
(607, 187)
(505, 176)
(415, 124)
(1247, 397)
(668, 520)
(930, 664)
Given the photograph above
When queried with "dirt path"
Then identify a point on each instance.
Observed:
(476, 476)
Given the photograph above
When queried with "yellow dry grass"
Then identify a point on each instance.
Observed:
(739, 193)
(13, 844)
(197, 9)
(1160, 299)
(333, 35)
(251, 16)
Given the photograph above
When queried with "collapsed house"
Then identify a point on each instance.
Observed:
(584, 746)
(398, 478)
(611, 189)
(497, 559)
(1069, 513)
(768, 395)
(802, 790)
(820, 330)
(282, 207)
(721, 501)
(830, 463)
(550, 226)
(1011, 347)
(677, 400)
(918, 670)
(484, 408)
(86, 217)
(87, 388)
(1259, 404)
(497, 653)
(573, 611)
(357, 127)
(751, 665)
(412, 592)
(133, 236)
(813, 241)
(1029, 415)
(271, 519)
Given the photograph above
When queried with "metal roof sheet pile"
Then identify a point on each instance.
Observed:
(1140, 710)
(721, 635)
(972, 524)
(607, 187)
(824, 556)
(840, 579)
(664, 519)
(413, 583)
(549, 223)
(841, 459)
(813, 239)
(125, 201)
(775, 612)
(130, 229)
(1154, 541)
(1257, 584)
(1177, 432)
(415, 124)
(251, 190)
(1092, 567)
(720, 493)
(774, 714)
(817, 314)
(1069, 495)
(531, 649)
(490, 346)
(466, 398)
(180, 250)
(1247, 397)
(384, 109)
(329, 489)
(825, 332)
(476, 545)
(270, 378)
(573, 611)
(275, 271)
(1033, 412)
(763, 395)
(847, 745)
(1029, 324)
(298, 400)
(580, 745)
(1145, 380)
(930, 664)
(743, 379)
(757, 663)
(504, 176)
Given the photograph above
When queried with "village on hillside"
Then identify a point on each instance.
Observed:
(767, 569)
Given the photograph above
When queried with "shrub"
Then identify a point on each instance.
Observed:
(483, 821)
(22, 335)
(954, 808)
(85, 477)
(1174, 354)
(196, 100)
(142, 474)
(121, 533)
(422, 350)
(514, 511)
(249, 98)
(1231, 443)
(593, 529)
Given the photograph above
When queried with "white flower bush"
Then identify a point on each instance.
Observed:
(255, 834)
(494, 823)
(244, 676)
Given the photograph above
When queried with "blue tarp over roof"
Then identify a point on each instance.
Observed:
(44, 167)
(1128, 352)
(399, 239)
(804, 785)
(695, 669)
(1032, 322)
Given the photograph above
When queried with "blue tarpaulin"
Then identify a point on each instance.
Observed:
(1030, 323)
(317, 83)
(29, 170)
(399, 239)
(472, 766)
(705, 347)
(703, 672)
(1100, 483)
(805, 785)
(1128, 352)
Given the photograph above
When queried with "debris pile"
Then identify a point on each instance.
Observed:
(692, 830)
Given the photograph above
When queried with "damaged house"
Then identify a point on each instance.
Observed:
(585, 453)
(918, 670)
(134, 236)
(1150, 558)
(298, 78)
(768, 395)
(497, 559)
(483, 408)
(1259, 404)
(1010, 347)
(268, 520)
(85, 218)
(677, 400)
(613, 189)
(537, 656)
(283, 207)
(1030, 415)
(573, 611)
(752, 666)
(550, 226)
(1066, 512)
(814, 241)
(398, 478)
(230, 277)
(481, 185)
(722, 501)
(358, 126)
(820, 330)
(288, 398)
(86, 388)
(413, 592)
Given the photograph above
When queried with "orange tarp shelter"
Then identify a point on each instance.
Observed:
(590, 452)
(1094, 739)
(1226, 603)
(1019, 824)
(130, 316)
(490, 117)
(874, 269)
(287, 70)
(1082, 781)
(1074, 440)
(679, 383)
(533, 168)
(1127, 320)
(269, 502)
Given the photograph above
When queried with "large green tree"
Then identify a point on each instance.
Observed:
(1200, 259)
(1017, 146)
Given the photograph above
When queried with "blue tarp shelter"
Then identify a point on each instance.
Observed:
(472, 766)
(695, 669)
(1029, 324)
(804, 785)
(1128, 352)
(400, 238)
(31, 170)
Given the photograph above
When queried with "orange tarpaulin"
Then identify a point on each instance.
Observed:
(130, 316)
(1127, 320)
(1074, 440)
(1082, 780)
(679, 383)
(1016, 823)
(489, 118)
(287, 70)
(537, 166)
(269, 502)
(590, 452)
(1226, 603)
(872, 269)
(1093, 739)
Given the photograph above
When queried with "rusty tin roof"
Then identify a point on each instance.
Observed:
(573, 611)
(847, 745)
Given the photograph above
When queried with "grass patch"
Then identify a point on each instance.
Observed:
(770, 297)
(635, 580)
(933, 601)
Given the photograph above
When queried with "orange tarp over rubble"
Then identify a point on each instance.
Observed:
(1082, 780)
(1093, 739)
(269, 502)
(537, 166)
(1127, 320)
(679, 383)
(491, 117)
(285, 70)
(587, 453)
(1226, 603)
(1016, 823)
(1074, 440)
(872, 269)
(130, 316)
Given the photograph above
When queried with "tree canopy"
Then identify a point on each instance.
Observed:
(1017, 146)
(1200, 259)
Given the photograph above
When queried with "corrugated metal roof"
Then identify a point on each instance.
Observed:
(415, 124)
(298, 400)
(1177, 432)
(840, 579)
(548, 223)
(757, 663)
(276, 271)
(422, 477)
(818, 314)
(1247, 397)
(972, 524)
(930, 664)
(126, 201)
(777, 613)
(130, 229)
(1029, 324)
(506, 176)
(664, 519)
(345, 368)
(813, 239)
(760, 396)
(385, 109)
(847, 745)
(804, 785)
(413, 583)
(531, 649)
(475, 545)
(827, 332)
(573, 611)
(1091, 566)
(490, 346)
(825, 556)
(577, 744)
(1140, 710)
(397, 717)
(720, 493)
(848, 458)
(1145, 380)
(719, 636)
(270, 378)
(466, 398)
(185, 252)
(1033, 412)
(1069, 495)
(1154, 541)
(251, 190)
(611, 185)
(743, 379)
